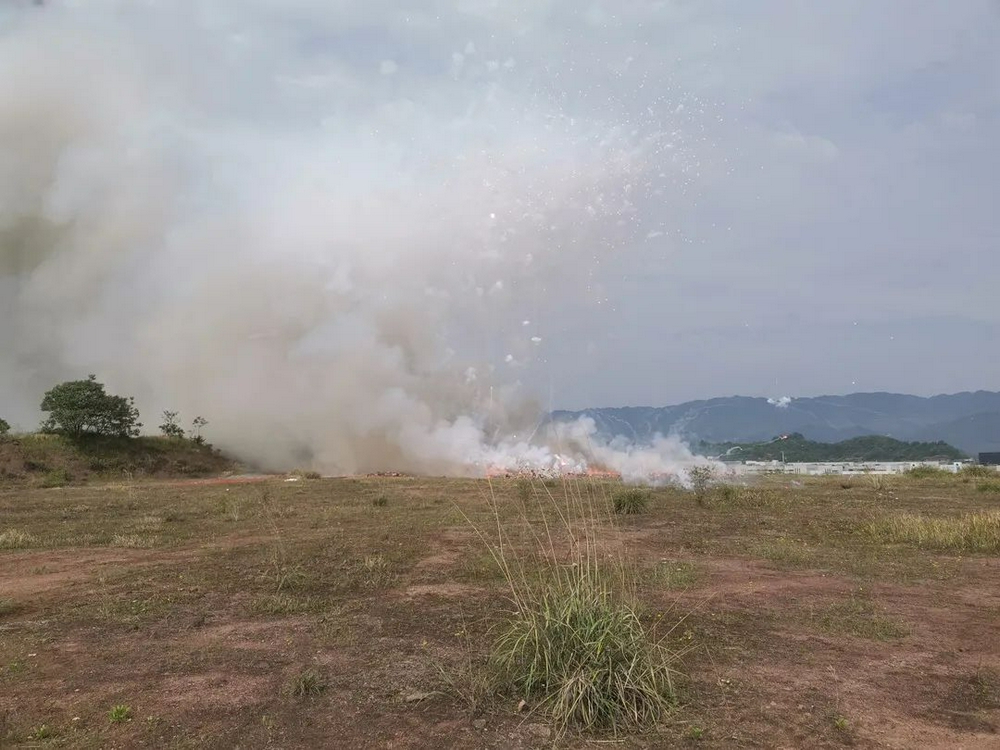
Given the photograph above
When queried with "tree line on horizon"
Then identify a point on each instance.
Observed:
(796, 448)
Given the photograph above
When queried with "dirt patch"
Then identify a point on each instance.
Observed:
(450, 589)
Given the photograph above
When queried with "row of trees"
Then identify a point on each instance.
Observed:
(83, 407)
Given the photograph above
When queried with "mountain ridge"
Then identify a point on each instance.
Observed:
(968, 420)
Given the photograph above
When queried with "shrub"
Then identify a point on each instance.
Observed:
(978, 471)
(197, 425)
(170, 428)
(988, 487)
(56, 478)
(4, 427)
(630, 500)
(82, 407)
(701, 477)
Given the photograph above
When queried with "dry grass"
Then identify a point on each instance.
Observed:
(16, 539)
(249, 585)
(860, 617)
(740, 496)
(133, 541)
(973, 532)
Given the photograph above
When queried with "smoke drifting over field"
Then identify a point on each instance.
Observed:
(341, 259)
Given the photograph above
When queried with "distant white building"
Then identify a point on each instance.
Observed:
(840, 467)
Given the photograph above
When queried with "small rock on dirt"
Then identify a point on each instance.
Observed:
(416, 697)
(539, 731)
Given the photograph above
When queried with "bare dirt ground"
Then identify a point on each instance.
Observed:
(357, 612)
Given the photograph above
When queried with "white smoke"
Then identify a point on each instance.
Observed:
(328, 257)
(781, 403)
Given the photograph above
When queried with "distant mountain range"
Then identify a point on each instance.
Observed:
(969, 421)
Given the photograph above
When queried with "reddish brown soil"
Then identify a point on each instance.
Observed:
(175, 634)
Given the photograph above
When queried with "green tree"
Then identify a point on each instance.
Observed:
(170, 428)
(4, 426)
(83, 407)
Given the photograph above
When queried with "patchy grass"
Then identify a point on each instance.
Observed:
(673, 575)
(251, 585)
(860, 617)
(991, 487)
(283, 605)
(973, 532)
(740, 496)
(133, 541)
(783, 551)
(375, 572)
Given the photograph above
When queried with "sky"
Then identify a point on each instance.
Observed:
(665, 200)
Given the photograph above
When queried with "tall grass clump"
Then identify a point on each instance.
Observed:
(630, 501)
(572, 644)
(978, 471)
(973, 532)
(880, 482)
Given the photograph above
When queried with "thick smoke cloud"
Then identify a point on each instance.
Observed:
(253, 212)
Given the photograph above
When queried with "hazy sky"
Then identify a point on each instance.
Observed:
(852, 241)
(818, 216)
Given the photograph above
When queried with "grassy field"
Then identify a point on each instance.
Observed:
(375, 612)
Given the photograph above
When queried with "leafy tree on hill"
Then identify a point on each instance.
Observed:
(4, 427)
(82, 407)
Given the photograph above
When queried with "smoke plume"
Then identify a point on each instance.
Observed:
(339, 257)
